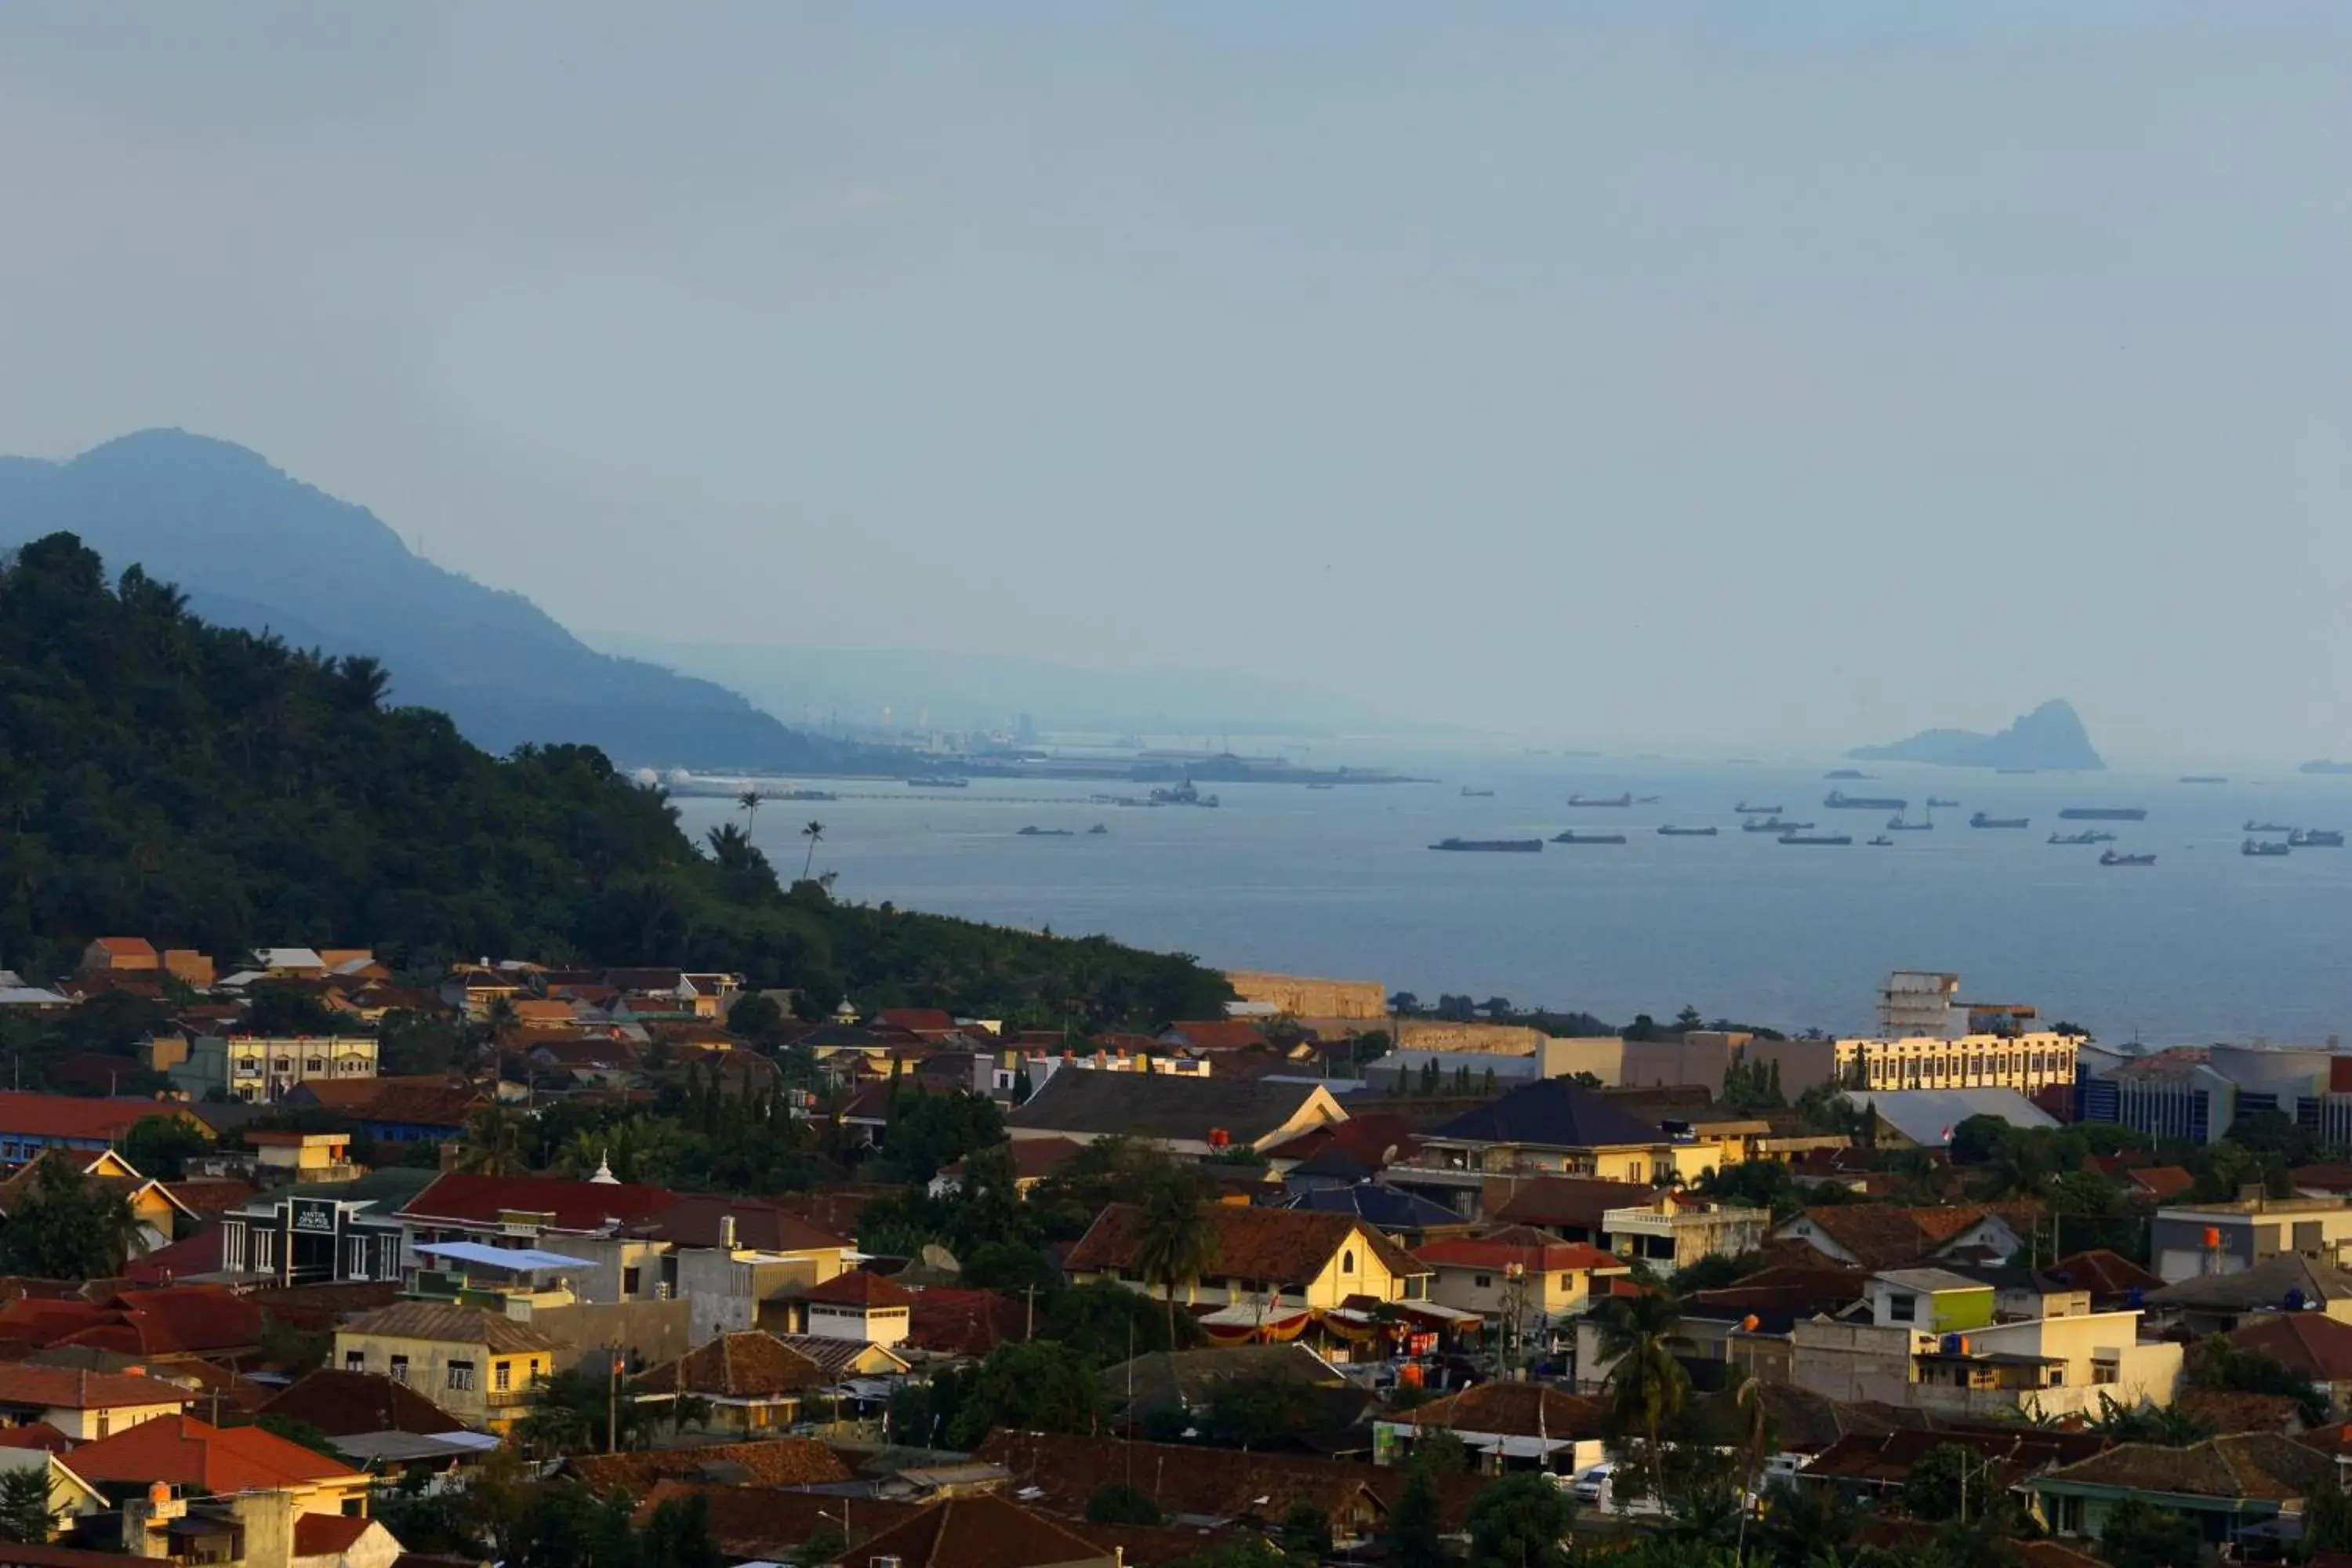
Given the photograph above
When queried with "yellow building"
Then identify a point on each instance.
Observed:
(1295, 1256)
(476, 1365)
(1518, 1268)
(2023, 1062)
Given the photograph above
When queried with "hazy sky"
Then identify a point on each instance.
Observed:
(1744, 372)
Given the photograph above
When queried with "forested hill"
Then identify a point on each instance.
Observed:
(214, 787)
(257, 549)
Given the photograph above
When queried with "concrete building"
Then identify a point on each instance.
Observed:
(1676, 1231)
(2192, 1240)
(478, 1365)
(256, 1068)
(1519, 1269)
(2023, 1062)
(1920, 1003)
(2198, 1092)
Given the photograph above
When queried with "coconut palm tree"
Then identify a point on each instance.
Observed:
(813, 833)
(1754, 1437)
(1176, 1242)
(493, 1142)
(748, 803)
(1641, 1334)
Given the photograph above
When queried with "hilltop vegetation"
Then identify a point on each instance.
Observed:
(220, 790)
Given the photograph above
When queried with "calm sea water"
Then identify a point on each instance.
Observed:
(2205, 944)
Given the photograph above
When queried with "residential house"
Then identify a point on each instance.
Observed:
(2232, 1486)
(958, 1320)
(31, 1123)
(2310, 1343)
(1400, 1216)
(1266, 1265)
(1871, 1235)
(843, 1359)
(2191, 1240)
(259, 1069)
(753, 1383)
(2216, 1303)
(239, 1489)
(771, 1462)
(1507, 1426)
(16, 999)
(2112, 1279)
(155, 1211)
(120, 955)
(2164, 1183)
(287, 1156)
(727, 1257)
(1573, 1208)
(1185, 1116)
(1871, 1468)
(1058, 1472)
(1177, 1386)
(593, 1220)
(1929, 1341)
(1517, 1271)
(420, 1109)
(859, 1306)
(85, 1405)
(1377, 1140)
(1674, 1231)
(163, 1327)
(1551, 1127)
(981, 1532)
(478, 1365)
(358, 1403)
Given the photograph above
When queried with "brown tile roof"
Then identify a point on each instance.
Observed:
(1573, 1201)
(1531, 1249)
(751, 1365)
(2162, 1183)
(838, 1359)
(1886, 1457)
(573, 1205)
(953, 1319)
(982, 1532)
(187, 1452)
(778, 1462)
(2323, 1178)
(348, 1404)
(768, 1521)
(1513, 1410)
(764, 1226)
(326, 1534)
(433, 1104)
(449, 1323)
(1886, 1238)
(2258, 1465)
(1370, 1138)
(859, 1289)
(1215, 1483)
(64, 1388)
(2103, 1274)
(2313, 1344)
(2226, 1411)
(1286, 1245)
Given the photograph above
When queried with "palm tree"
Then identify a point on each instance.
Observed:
(493, 1143)
(1176, 1243)
(1756, 1436)
(813, 833)
(1641, 1334)
(748, 803)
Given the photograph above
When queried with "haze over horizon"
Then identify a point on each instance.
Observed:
(1795, 377)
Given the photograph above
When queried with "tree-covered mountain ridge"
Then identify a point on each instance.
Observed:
(254, 547)
(215, 788)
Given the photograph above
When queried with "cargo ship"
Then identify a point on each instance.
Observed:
(2253, 826)
(2104, 814)
(2262, 847)
(1744, 809)
(1183, 794)
(1935, 804)
(2314, 838)
(2088, 835)
(1491, 846)
(1774, 825)
(1981, 820)
(1817, 838)
(1838, 800)
(1671, 831)
(1898, 823)
(1572, 836)
(1046, 833)
(2112, 859)
(2203, 778)
(1469, 793)
(1881, 842)
(938, 781)
(1626, 799)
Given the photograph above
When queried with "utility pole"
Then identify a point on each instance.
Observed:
(612, 1405)
(1030, 1331)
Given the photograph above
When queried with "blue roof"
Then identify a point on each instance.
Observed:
(516, 1258)
(1383, 1208)
(1553, 1112)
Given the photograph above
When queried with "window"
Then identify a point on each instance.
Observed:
(461, 1374)
(1903, 1309)
(105, 1422)
(1482, 1280)
(355, 1361)
(629, 1282)
(400, 1368)
(502, 1375)
(1568, 1281)
(315, 1063)
(1348, 1261)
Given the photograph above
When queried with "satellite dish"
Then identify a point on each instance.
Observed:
(1388, 1154)
(939, 1257)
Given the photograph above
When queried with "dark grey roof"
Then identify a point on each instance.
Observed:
(1158, 1105)
(1383, 1208)
(2265, 1284)
(1553, 1112)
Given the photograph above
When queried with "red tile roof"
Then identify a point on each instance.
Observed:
(63, 1116)
(859, 1289)
(187, 1452)
(328, 1534)
(1286, 1246)
(1575, 1203)
(178, 1320)
(1513, 1410)
(763, 1226)
(2162, 1183)
(2313, 1344)
(72, 1388)
(573, 1205)
(1379, 1140)
(981, 1532)
(778, 1462)
(1213, 1034)
(2323, 1178)
(35, 1435)
(348, 1404)
(1531, 1249)
(958, 1320)
(749, 1366)
(2103, 1274)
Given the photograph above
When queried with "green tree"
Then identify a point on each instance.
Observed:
(1641, 1336)
(1039, 1386)
(2217, 1363)
(1175, 1242)
(161, 1146)
(1123, 1503)
(759, 1019)
(1438, 1452)
(26, 1516)
(1521, 1521)
(1939, 1485)
(814, 833)
(66, 1226)
(493, 1142)
(1306, 1532)
(2139, 1534)
(297, 1431)
(1261, 1410)
(2328, 1520)
(678, 1535)
(1415, 1533)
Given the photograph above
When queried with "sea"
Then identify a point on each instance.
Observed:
(2206, 944)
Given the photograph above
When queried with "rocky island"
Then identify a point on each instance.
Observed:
(2051, 737)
